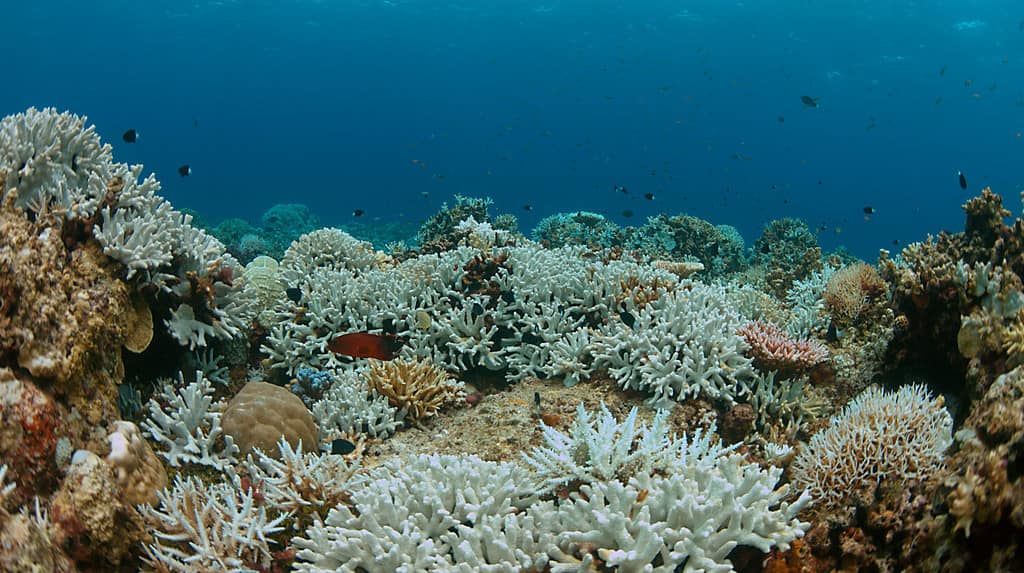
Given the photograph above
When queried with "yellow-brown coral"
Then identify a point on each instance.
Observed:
(681, 269)
(851, 291)
(418, 387)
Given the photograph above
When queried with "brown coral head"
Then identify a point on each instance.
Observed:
(419, 387)
(851, 291)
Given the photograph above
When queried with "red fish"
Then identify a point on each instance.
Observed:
(366, 345)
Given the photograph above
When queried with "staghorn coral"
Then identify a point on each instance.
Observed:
(188, 422)
(198, 527)
(606, 449)
(681, 345)
(350, 408)
(417, 387)
(305, 485)
(773, 349)
(429, 513)
(878, 435)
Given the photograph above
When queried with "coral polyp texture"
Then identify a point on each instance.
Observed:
(901, 435)
(417, 387)
(774, 349)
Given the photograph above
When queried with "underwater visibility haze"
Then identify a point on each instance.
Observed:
(368, 105)
(550, 286)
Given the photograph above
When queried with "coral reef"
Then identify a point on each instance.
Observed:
(417, 387)
(959, 290)
(897, 436)
(106, 289)
(581, 228)
(788, 251)
(260, 415)
(772, 348)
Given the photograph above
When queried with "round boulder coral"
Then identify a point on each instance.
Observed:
(261, 414)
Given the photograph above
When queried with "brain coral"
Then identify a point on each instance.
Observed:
(261, 414)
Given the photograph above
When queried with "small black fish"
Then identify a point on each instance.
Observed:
(527, 207)
(621, 189)
(508, 296)
(341, 446)
(185, 170)
(781, 119)
(130, 136)
(294, 294)
(536, 399)
(869, 210)
(627, 318)
(358, 213)
(627, 213)
(963, 179)
(649, 196)
(424, 194)
(895, 241)
(809, 101)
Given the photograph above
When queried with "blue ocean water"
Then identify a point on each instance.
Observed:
(347, 105)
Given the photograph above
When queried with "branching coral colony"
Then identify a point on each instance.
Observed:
(659, 491)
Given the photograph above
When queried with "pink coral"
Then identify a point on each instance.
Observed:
(772, 348)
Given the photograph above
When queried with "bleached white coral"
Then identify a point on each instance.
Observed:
(605, 449)
(682, 345)
(187, 422)
(901, 435)
(807, 305)
(480, 235)
(199, 527)
(688, 521)
(53, 163)
(569, 357)
(418, 515)
(298, 480)
(350, 407)
(331, 249)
